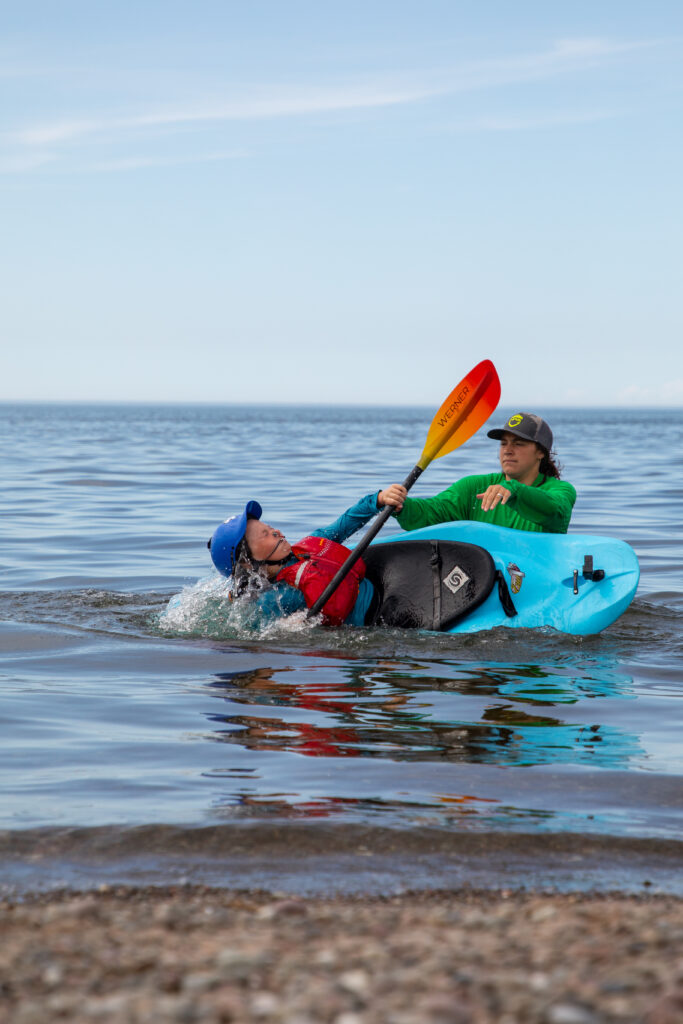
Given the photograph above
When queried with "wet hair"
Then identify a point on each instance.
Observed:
(246, 577)
(549, 465)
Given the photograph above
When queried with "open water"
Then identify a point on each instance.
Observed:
(142, 742)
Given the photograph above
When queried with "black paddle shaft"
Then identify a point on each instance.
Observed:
(377, 525)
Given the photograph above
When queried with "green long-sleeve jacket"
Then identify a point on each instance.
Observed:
(544, 506)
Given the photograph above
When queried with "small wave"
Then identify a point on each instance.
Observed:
(94, 482)
(320, 858)
(90, 608)
(654, 619)
(663, 602)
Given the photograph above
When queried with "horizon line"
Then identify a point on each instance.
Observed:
(223, 403)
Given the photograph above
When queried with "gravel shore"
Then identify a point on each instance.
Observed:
(213, 955)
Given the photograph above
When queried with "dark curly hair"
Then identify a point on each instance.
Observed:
(549, 465)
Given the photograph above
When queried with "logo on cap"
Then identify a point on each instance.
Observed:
(515, 421)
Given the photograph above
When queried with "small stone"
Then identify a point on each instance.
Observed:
(53, 975)
(201, 981)
(326, 957)
(441, 1007)
(108, 1007)
(229, 1005)
(355, 982)
(264, 1004)
(571, 1013)
(236, 965)
(283, 908)
(543, 913)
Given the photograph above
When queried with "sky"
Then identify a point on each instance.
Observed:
(342, 202)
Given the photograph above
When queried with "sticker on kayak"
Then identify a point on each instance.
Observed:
(516, 577)
(456, 579)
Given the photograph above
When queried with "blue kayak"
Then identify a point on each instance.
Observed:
(463, 577)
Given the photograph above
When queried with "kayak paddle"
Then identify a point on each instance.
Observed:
(465, 410)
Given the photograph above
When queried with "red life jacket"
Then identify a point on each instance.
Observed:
(319, 560)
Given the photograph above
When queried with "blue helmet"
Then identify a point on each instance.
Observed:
(228, 537)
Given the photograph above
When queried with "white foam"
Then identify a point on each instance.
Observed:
(206, 609)
(187, 611)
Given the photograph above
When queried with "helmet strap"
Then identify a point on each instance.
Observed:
(269, 560)
(257, 563)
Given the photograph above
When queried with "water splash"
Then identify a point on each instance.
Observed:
(207, 609)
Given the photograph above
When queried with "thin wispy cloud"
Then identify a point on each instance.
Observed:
(566, 56)
(57, 132)
(134, 163)
(535, 122)
(276, 102)
(25, 162)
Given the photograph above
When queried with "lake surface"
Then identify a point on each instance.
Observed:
(142, 741)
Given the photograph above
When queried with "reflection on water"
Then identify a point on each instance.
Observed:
(501, 715)
(460, 719)
(464, 811)
(134, 693)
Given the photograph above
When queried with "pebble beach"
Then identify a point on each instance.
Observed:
(280, 256)
(129, 955)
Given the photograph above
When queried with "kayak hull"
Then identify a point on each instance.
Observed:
(545, 575)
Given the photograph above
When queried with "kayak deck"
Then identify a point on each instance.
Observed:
(551, 577)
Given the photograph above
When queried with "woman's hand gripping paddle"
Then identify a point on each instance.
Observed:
(465, 410)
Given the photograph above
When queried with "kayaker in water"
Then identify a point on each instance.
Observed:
(526, 495)
(263, 564)
(280, 579)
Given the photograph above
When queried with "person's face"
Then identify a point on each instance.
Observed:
(519, 459)
(265, 542)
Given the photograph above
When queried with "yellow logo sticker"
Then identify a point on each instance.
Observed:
(515, 421)
(516, 577)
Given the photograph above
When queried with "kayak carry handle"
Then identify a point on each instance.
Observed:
(588, 573)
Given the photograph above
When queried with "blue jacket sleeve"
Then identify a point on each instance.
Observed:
(275, 602)
(351, 520)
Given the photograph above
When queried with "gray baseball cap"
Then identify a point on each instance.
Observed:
(528, 426)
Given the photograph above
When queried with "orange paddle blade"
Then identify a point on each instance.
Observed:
(467, 407)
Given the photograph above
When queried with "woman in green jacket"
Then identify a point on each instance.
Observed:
(526, 495)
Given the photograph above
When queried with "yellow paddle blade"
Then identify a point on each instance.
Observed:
(467, 407)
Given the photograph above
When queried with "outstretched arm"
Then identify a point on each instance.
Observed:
(351, 520)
